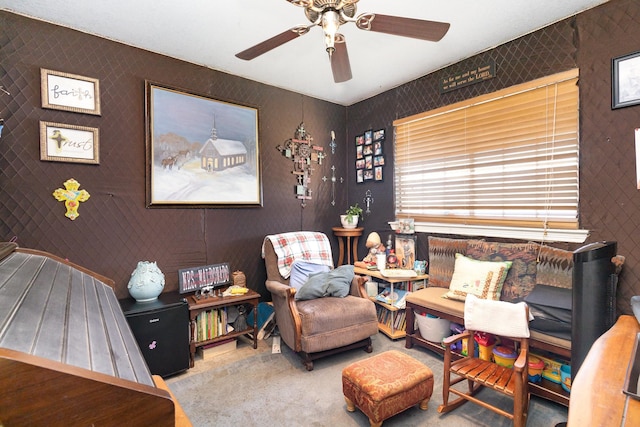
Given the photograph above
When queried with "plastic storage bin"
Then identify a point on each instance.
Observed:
(536, 365)
(432, 328)
(486, 343)
(551, 370)
(504, 356)
(565, 373)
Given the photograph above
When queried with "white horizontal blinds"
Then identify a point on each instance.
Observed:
(506, 159)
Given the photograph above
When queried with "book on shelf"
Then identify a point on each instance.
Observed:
(212, 324)
(221, 347)
(396, 320)
(415, 285)
(397, 298)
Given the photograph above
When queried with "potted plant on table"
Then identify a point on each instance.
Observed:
(350, 219)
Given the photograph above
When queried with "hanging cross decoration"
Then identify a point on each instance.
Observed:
(333, 184)
(332, 144)
(301, 150)
(368, 200)
(71, 197)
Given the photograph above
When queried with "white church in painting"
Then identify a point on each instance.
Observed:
(219, 154)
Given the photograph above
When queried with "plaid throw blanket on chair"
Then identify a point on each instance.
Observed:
(309, 246)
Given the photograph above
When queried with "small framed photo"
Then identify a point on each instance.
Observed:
(360, 176)
(378, 135)
(368, 137)
(359, 152)
(68, 143)
(377, 173)
(406, 250)
(625, 78)
(378, 161)
(368, 174)
(360, 140)
(69, 92)
(377, 148)
(368, 162)
(360, 163)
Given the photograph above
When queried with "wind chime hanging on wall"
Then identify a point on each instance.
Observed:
(304, 154)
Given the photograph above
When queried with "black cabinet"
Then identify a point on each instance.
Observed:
(161, 328)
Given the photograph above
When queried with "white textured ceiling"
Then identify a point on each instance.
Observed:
(211, 32)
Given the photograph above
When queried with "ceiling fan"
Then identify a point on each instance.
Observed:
(330, 14)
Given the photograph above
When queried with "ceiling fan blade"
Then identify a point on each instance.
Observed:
(406, 27)
(273, 42)
(340, 61)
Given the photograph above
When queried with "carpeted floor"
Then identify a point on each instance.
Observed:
(248, 387)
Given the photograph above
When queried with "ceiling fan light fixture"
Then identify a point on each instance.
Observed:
(330, 26)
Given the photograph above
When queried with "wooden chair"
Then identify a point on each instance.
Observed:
(500, 318)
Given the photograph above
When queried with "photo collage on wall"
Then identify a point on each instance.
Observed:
(369, 156)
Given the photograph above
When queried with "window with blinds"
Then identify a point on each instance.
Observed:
(509, 158)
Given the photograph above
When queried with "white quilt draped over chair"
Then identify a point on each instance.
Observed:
(496, 317)
(310, 246)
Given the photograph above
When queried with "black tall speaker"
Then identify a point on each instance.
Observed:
(161, 328)
(594, 298)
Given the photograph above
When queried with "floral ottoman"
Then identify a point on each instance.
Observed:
(386, 384)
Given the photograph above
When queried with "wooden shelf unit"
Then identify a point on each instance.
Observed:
(390, 331)
(197, 306)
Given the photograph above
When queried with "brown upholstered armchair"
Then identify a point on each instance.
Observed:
(320, 326)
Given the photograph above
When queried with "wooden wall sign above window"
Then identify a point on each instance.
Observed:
(478, 74)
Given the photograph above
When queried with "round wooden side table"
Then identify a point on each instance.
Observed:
(348, 233)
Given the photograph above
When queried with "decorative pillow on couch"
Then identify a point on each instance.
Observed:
(442, 258)
(521, 278)
(483, 279)
(555, 267)
(335, 283)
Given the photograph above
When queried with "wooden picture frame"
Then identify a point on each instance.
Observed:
(201, 152)
(69, 92)
(69, 143)
(405, 247)
(625, 81)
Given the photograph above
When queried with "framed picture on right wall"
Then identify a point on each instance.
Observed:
(625, 80)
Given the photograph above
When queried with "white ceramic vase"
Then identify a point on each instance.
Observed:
(346, 224)
(147, 282)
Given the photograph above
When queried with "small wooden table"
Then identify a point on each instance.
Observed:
(197, 306)
(387, 313)
(348, 233)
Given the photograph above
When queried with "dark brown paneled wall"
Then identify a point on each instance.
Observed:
(115, 230)
(609, 200)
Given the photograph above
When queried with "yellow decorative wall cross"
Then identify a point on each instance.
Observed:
(71, 197)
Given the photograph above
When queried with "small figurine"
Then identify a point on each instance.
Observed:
(392, 259)
(375, 247)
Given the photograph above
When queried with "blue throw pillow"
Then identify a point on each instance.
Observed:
(301, 270)
(335, 283)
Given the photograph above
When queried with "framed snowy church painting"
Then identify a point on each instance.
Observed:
(201, 152)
